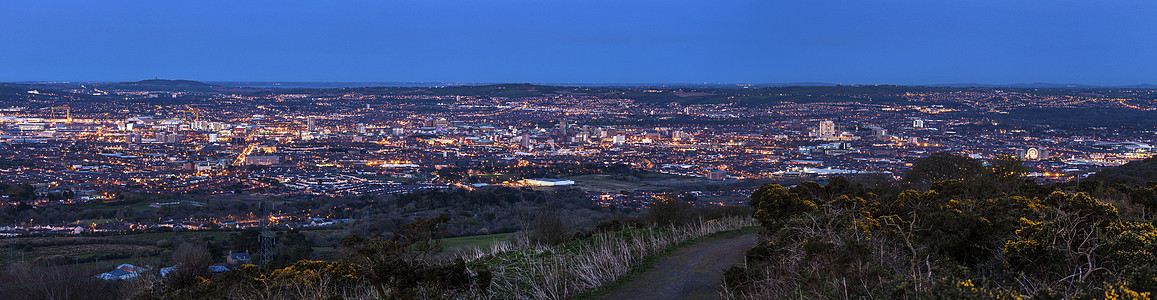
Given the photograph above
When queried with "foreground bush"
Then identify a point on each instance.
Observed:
(957, 240)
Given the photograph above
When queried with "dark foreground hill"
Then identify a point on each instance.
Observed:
(1141, 172)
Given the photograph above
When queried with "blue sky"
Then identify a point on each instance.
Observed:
(587, 41)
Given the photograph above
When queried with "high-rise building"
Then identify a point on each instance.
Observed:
(526, 141)
(168, 137)
(918, 123)
(878, 132)
(825, 129)
(1032, 154)
(361, 128)
(311, 125)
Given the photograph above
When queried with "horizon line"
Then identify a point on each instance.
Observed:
(484, 83)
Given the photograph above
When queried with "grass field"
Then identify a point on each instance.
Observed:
(477, 241)
(670, 183)
(88, 249)
(609, 184)
(195, 235)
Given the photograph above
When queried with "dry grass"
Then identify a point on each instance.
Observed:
(522, 271)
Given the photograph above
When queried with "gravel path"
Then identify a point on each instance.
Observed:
(690, 272)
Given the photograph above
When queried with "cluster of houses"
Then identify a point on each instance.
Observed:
(128, 271)
(287, 220)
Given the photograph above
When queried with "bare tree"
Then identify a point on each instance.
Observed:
(190, 261)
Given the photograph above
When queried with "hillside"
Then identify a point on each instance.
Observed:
(985, 234)
(1143, 172)
(163, 85)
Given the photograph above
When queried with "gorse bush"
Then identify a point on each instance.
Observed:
(964, 230)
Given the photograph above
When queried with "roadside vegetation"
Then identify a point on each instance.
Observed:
(550, 257)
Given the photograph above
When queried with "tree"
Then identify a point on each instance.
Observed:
(549, 228)
(190, 262)
(291, 246)
(942, 166)
(670, 210)
(1008, 166)
(21, 192)
(399, 267)
(773, 203)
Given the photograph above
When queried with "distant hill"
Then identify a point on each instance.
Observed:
(168, 82)
(767, 95)
(1041, 85)
(163, 85)
(1136, 173)
(12, 89)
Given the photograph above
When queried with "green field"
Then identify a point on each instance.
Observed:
(610, 184)
(602, 183)
(194, 235)
(477, 241)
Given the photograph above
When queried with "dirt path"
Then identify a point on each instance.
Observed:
(691, 272)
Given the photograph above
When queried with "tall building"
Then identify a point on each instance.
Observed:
(311, 125)
(826, 128)
(879, 132)
(441, 124)
(526, 141)
(562, 128)
(1032, 154)
(168, 137)
(361, 128)
(918, 123)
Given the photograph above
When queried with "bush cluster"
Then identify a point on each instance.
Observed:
(975, 231)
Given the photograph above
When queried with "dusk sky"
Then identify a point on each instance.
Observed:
(583, 41)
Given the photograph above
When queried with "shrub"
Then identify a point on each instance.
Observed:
(549, 229)
(400, 267)
(774, 203)
(671, 210)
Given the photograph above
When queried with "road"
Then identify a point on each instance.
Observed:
(690, 272)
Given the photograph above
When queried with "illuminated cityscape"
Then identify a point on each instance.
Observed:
(613, 150)
(97, 142)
